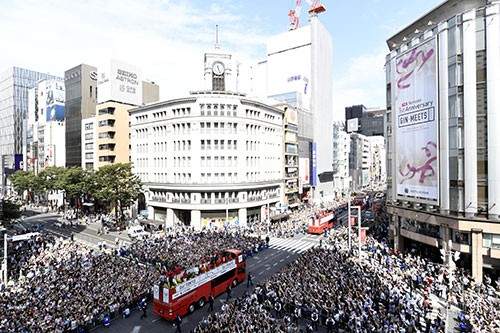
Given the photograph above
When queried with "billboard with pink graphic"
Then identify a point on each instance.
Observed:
(416, 120)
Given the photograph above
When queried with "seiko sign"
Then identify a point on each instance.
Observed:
(93, 75)
(129, 77)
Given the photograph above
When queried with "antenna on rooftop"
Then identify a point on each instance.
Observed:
(217, 45)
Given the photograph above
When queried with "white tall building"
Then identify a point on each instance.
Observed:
(46, 126)
(211, 158)
(298, 71)
(341, 149)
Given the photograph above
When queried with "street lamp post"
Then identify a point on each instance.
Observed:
(227, 211)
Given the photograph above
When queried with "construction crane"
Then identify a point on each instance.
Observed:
(315, 8)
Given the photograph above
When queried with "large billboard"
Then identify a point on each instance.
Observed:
(416, 97)
(120, 82)
(54, 100)
(304, 170)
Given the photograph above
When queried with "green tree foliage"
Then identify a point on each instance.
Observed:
(10, 210)
(116, 183)
(51, 178)
(25, 181)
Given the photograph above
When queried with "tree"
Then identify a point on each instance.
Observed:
(116, 183)
(10, 210)
(25, 181)
(73, 181)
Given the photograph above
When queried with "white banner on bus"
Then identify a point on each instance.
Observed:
(203, 278)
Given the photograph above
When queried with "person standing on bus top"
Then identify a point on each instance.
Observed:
(211, 303)
(178, 322)
(228, 291)
(249, 280)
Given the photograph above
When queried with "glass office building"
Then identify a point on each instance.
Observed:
(14, 85)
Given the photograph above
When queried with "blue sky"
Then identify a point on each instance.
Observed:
(168, 38)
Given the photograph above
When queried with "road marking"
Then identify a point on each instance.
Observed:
(155, 320)
(288, 256)
(275, 264)
(268, 268)
(259, 261)
(261, 272)
(282, 260)
(136, 329)
(266, 257)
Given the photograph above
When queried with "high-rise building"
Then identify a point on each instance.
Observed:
(298, 71)
(443, 188)
(366, 121)
(46, 130)
(14, 85)
(81, 99)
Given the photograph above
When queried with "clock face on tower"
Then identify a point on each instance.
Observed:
(218, 68)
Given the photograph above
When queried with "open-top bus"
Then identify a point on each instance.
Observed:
(321, 221)
(185, 297)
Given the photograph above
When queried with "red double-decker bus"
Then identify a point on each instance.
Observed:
(185, 297)
(321, 221)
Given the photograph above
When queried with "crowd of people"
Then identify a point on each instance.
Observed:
(185, 248)
(60, 285)
(385, 291)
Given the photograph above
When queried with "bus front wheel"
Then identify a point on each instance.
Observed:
(201, 302)
(191, 308)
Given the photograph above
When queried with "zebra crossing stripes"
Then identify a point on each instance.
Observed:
(290, 244)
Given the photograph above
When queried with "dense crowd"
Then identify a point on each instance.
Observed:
(62, 285)
(386, 291)
(58, 285)
(188, 248)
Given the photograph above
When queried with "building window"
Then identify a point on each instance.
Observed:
(89, 156)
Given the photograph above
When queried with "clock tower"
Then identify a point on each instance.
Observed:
(217, 71)
(217, 68)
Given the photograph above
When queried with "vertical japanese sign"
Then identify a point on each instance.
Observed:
(416, 122)
(314, 175)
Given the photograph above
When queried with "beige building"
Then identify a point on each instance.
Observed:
(106, 136)
(113, 134)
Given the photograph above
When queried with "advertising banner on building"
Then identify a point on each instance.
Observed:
(18, 162)
(416, 119)
(50, 156)
(54, 100)
(314, 175)
(304, 170)
(122, 83)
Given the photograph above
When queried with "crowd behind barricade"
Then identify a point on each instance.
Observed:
(187, 252)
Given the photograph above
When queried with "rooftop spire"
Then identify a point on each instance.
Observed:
(217, 45)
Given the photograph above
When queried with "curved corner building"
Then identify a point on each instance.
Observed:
(211, 159)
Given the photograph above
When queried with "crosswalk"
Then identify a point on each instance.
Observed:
(290, 244)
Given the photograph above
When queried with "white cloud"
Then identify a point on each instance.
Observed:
(363, 83)
(166, 38)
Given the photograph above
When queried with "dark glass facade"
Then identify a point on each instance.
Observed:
(81, 101)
